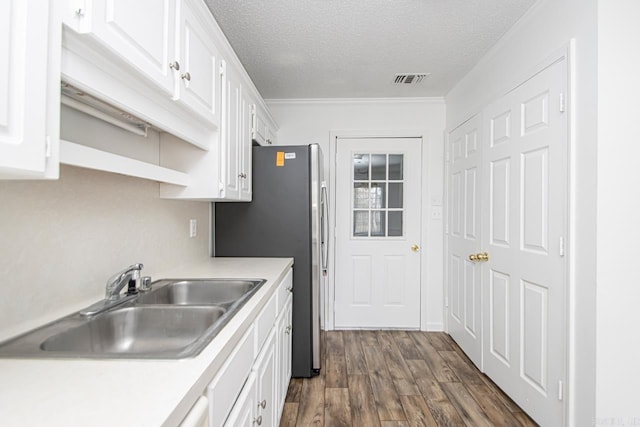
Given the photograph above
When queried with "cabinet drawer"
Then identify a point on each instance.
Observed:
(284, 290)
(264, 322)
(226, 386)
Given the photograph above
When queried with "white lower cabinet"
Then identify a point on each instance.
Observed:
(283, 354)
(265, 369)
(243, 413)
(250, 387)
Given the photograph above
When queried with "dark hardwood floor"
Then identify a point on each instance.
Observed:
(397, 378)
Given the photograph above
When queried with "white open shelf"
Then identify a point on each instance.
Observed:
(82, 156)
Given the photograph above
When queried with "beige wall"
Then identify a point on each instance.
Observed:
(61, 240)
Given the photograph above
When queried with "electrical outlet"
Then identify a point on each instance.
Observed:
(193, 228)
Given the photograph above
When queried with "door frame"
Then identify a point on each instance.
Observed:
(565, 52)
(329, 285)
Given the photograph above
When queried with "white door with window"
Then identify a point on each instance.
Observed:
(465, 284)
(378, 199)
(525, 207)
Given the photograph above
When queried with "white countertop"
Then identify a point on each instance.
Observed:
(82, 392)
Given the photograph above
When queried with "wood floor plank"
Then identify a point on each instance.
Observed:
(368, 337)
(311, 409)
(524, 419)
(354, 357)
(337, 411)
(362, 402)
(406, 345)
(471, 413)
(506, 400)
(417, 411)
(440, 341)
(441, 408)
(467, 373)
(397, 379)
(335, 366)
(497, 412)
(439, 367)
(294, 390)
(289, 415)
(400, 373)
(386, 397)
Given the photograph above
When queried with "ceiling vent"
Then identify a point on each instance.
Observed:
(410, 78)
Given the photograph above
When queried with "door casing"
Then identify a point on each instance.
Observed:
(329, 289)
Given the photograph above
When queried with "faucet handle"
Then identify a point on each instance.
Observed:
(145, 283)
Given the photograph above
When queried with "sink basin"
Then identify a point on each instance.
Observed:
(137, 331)
(175, 320)
(199, 291)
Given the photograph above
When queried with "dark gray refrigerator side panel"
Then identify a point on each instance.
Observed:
(276, 223)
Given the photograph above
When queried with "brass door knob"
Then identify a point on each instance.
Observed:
(473, 257)
(415, 248)
(483, 257)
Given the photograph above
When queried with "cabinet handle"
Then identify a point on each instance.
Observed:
(290, 288)
(80, 13)
(175, 65)
(186, 76)
(263, 404)
(287, 330)
(269, 141)
(258, 420)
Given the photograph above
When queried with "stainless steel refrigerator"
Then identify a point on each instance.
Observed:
(286, 218)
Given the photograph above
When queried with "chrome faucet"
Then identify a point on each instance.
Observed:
(120, 279)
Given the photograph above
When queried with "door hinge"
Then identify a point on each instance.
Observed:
(563, 102)
(47, 147)
(446, 302)
(561, 246)
(446, 156)
(560, 390)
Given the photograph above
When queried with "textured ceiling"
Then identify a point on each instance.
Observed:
(354, 48)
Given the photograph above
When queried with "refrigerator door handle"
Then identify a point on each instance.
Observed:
(325, 228)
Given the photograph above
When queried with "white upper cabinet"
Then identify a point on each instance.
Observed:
(141, 32)
(155, 59)
(235, 138)
(262, 131)
(29, 89)
(197, 64)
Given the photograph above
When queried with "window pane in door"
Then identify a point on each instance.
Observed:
(378, 223)
(395, 195)
(379, 166)
(360, 195)
(360, 167)
(360, 223)
(395, 223)
(378, 195)
(395, 166)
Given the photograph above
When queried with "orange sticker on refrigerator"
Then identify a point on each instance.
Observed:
(280, 158)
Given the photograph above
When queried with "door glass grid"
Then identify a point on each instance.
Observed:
(378, 195)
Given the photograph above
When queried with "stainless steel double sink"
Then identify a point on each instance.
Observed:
(175, 320)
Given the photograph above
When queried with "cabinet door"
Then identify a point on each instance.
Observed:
(283, 354)
(199, 86)
(244, 411)
(230, 136)
(245, 149)
(265, 368)
(29, 88)
(141, 32)
(259, 128)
